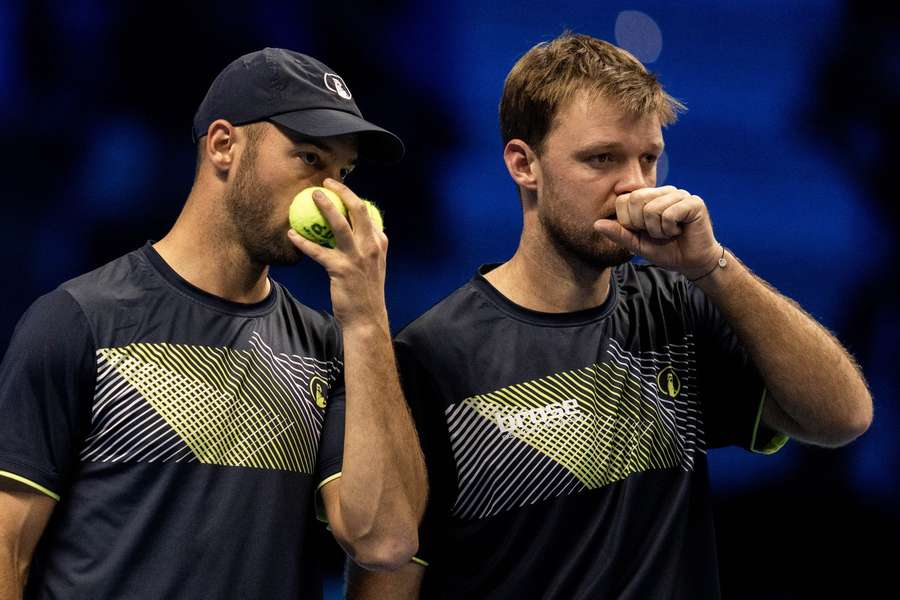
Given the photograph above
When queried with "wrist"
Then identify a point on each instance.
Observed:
(719, 260)
(722, 280)
(363, 325)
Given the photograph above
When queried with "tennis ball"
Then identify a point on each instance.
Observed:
(308, 221)
(375, 215)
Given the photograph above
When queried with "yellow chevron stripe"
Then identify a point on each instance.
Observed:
(621, 432)
(227, 405)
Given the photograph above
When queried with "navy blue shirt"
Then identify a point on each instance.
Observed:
(183, 435)
(566, 452)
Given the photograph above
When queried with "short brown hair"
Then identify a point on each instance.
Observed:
(551, 73)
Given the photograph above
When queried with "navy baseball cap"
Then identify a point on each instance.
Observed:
(297, 92)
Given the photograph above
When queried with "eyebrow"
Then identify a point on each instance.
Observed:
(298, 139)
(655, 146)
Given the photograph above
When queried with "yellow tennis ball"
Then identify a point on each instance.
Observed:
(375, 215)
(308, 221)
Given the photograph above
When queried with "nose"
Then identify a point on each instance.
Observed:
(632, 178)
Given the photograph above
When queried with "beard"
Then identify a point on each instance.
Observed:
(250, 204)
(574, 239)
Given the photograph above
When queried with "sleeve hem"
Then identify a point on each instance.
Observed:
(319, 504)
(765, 444)
(328, 479)
(29, 483)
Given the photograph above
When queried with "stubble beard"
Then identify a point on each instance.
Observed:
(574, 240)
(250, 204)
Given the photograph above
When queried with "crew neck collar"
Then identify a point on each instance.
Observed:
(547, 319)
(253, 309)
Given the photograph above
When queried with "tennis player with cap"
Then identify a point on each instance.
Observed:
(171, 422)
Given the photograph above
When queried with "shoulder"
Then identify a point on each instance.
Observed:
(52, 315)
(316, 330)
(51, 336)
(117, 280)
(448, 314)
(317, 319)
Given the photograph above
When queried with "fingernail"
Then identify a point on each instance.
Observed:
(328, 181)
(318, 195)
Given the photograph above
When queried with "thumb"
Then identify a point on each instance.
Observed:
(614, 231)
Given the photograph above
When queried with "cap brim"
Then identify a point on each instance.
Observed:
(374, 142)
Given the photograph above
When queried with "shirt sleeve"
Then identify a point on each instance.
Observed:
(331, 444)
(330, 456)
(426, 405)
(46, 385)
(732, 391)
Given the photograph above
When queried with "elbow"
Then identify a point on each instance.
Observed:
(377, 545)
(855, 423)
(862, 417)
(387, 552)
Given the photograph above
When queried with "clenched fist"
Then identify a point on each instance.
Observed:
(667, 226)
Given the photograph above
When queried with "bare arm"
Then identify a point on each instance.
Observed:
(23, 515)
(375, 506)
(817, 392)
(402, 584)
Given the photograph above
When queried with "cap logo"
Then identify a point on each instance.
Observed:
(336, 84)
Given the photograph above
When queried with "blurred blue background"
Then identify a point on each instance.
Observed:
(793, 112)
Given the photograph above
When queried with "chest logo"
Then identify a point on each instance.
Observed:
(317, 387)
(668, 382)
(532, 419)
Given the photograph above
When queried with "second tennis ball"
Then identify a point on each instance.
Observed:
(306, 219)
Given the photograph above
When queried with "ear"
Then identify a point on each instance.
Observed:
(522, 164)
(221, 137)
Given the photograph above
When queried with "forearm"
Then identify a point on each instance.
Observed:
(807, 372)
(402, 584)
(375, 506)
(383, 483)
(23, 516)
(11, 581)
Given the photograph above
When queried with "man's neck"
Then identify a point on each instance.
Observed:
(206, 257)
(541, 279)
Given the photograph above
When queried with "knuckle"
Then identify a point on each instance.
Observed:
(652, 207)
(670, 227)
(374, 251)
